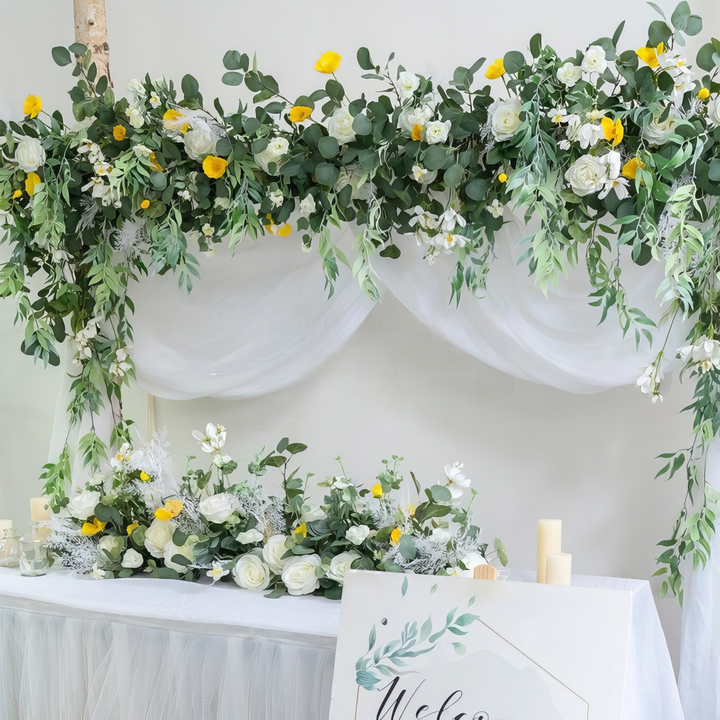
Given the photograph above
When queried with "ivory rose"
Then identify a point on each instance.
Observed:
(218, 508)
(273, 553)
(299, 574)
(82, 506)
(505, 118)
(158, 535)
(30, 154)
(586, 175)
(340, 126)
(251, 573)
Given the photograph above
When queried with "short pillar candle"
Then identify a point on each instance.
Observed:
(38, 509)
(559, 568)
(549, 541)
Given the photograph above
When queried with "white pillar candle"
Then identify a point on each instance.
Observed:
(559, 568)
(38, 509)
(549, 541)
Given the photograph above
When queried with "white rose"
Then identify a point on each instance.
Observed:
(713, 111)
(110, 543)
(273, 553)
(132, 559)
(594, 60)
(340, 564)
(135, 117)
(569, 74)
(30, 154)
(440, 535)
(277, 147)
(158, 535)
(171, 550)
(307, 205)
(218, 508)
(505, 118)
(340, 126)
(357, 534)
(249, 537)
(657, 133)
(417, 116)
(299, 574)
(437, 132)
(82, 506)
(199, 141)
(407, 84)
(586, 175)
(251, 573)
(312, 513)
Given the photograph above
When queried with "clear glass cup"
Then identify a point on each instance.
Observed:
(34, 560)
(10, 550)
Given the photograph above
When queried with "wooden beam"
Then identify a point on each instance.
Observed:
(91, 30)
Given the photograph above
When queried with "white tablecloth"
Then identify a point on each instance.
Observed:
(139, 648)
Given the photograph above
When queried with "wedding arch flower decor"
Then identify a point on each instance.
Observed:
(615, 153)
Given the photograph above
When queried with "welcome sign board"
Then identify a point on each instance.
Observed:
(414, 647)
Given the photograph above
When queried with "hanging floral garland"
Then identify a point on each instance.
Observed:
(615, 153)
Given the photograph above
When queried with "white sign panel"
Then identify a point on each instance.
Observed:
(415, 647)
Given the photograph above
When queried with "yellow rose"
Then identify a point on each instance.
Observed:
(649, 55)
(630, 168)
(214, 167)
(704, 94)
(301, 530)
(496, 70)
(416, 133)
(174, 506)
(377, 490)
(328, 63)
(119, 133)
(299, 113)
(94, 527)
(613, 130)
(32, 106)
(31, 181)
(131, 527)
(395, 536)
(163, 514)
(145, 477)
(502, 177)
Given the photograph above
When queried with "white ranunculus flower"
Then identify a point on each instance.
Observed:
(132, 559)
(456, 479)
(568, 74)
(586, 175)
(505, 118)
(416, 116)
(110, 543)
(713, 111)
(249, 537)
(340, 564)
(594, 60)
(158, 535)
(357, 534)
(423, 176)
(30, 154)
(299, 574)
(82, 506)
(218, 508)
(311, 513)
(307, 205)
(136, 118)
(340, 126)
(277, 148)
(658, 133)
(437, 132)
(440, 535)
(200, 141)
(171, 550)
(273, 553)
(251, 573)
(407, 84)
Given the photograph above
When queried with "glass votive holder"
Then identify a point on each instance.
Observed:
(10, 550)
(34, 560)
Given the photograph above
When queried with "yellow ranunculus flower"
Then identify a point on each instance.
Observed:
(145, 204)
(613, 130)
(131, 527)
(144, 476)
(502, 177)
(214, 167)
(704, 93)
(119, 133)
(153, 161)
(163, 514)
(32, 106)
(395, 536)
(31, 181)
(377, 490)
(299, 113)
(301, 530)
(630, 168)
(416, 133)
(174, 506)
(17, 194)
(94, 527)
(496, 70)
(649, 55)
(328, 63)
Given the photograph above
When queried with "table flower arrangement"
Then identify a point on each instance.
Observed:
(137, 518)
(614, 153)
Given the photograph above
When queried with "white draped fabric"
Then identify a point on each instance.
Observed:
(136, 649)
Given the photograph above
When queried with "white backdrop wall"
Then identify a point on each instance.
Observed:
(395, 387)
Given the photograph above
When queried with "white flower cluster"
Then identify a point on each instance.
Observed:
(104, 185)
(705, 354)
(649, 381)
(212, 442)
(438, 232)
(82, 339)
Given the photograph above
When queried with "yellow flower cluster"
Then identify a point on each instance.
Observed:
(171, 509)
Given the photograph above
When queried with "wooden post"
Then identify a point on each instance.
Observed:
(91, 30)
